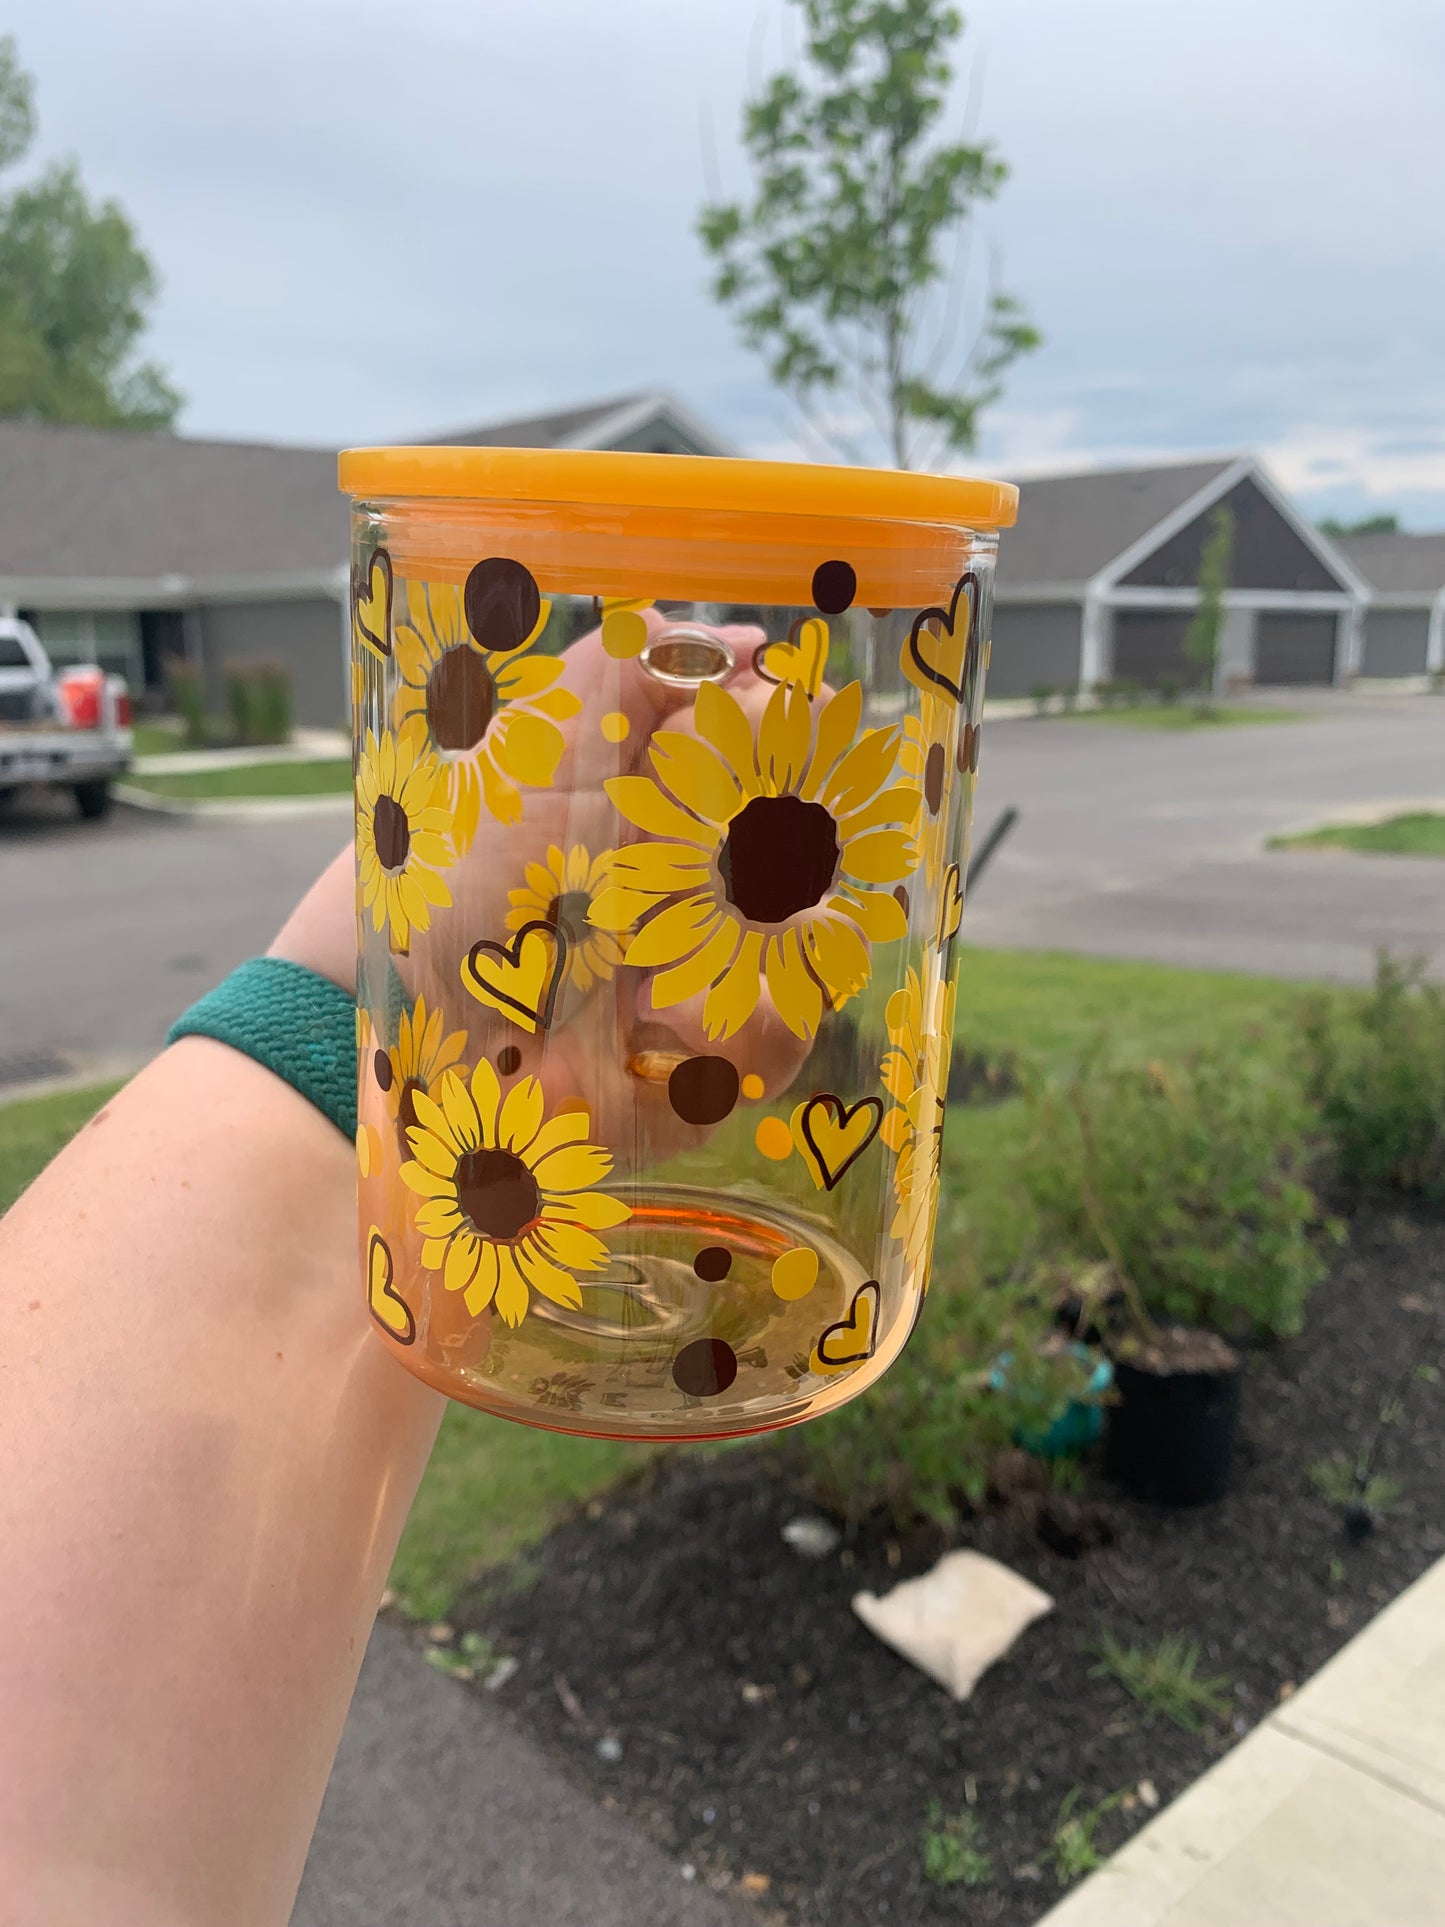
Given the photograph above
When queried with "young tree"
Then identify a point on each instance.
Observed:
(1201, 639)
(74, 290)
(836, 269)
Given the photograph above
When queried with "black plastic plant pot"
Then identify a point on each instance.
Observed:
(1171, 1434)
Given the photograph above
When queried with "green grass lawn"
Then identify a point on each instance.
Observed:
(493, 1488)
(159, 736)
(1182, 715)
(1417, 833)
(328, 777)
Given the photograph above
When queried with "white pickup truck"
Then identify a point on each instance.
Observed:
(70, 730)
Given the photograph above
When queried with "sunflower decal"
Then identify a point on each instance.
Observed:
(490, 714)
(926, 756)
(561, 892)
(915, 1075)
(776, 856)
(403, 836)
(507, 1205)
(416, 1063)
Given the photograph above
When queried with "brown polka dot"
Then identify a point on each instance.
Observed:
(381, 1064)
(705, 1367)
(502, 603)
(968, 749)
(509, 1059)
(900, 897)
(834, 587)
(713, 1263)
(933, 771)
(702, 1090)
(460, 699)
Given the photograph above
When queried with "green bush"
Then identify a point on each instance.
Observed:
(258, 696)
(1041, 695)
(188, 701)
(924, 1435)
(1190, 1180)
(1376, 1069)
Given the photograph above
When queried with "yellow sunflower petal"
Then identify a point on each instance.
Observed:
(433, 1156)
(413, 903)
(687, 979)
(532, 748)
(784, 735)
(568, 1128)
(839, 956)
(897, 1077)
(431, 1116)
(434, 1253)
(482, 1289)
(422, 1179)
(462, 1258)
(544, 1276)
(882, 856)
(521, 1115)
(674, 933)
(573, 1167)
(720, 717)
(598, 1210)
(901, 803)
(660, 867)
(486, 1097)
(511, 1299)
(503, 799)
(696, 775)
(444, 605)
(461, 1112)
(879, 915)
(438, 1217)
(560, 704)
(465, 790)
(619, 909)
(642, 803)
(576, 867)
(836, 728)
(862, 772)
(794, 990)
(733, 999)
(894, 1129)
(571, 1245)
(518, 677)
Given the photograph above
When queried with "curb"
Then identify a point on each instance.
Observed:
(236, 807)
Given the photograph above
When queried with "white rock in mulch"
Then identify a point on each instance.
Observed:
(813, 1537)
(956, 1620)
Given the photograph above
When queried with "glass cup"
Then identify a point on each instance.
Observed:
(664, 776)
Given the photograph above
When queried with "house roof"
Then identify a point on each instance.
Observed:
(627, 421)
(81, 504)
(567, 428)
(1072, 526)
(1398, 564)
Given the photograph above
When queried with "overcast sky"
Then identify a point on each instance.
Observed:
(375, 220)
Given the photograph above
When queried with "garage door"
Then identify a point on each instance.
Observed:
(1289, 649)
(1149, 647)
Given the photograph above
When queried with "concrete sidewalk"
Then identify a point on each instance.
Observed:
(440, 1814)
(1330, 1814)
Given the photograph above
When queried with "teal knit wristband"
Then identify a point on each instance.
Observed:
(299, 1025)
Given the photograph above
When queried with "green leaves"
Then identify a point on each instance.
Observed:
(831, 267)
(75, 287)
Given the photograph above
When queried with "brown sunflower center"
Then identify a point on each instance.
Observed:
(933, 777)
(780, 856)
(392, 833)
(568, 913)
(497, 1192)
(461, 699)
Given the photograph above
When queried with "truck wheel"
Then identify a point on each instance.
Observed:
(93, 799)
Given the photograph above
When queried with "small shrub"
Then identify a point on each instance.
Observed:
(188, 700)
(1041, 695)
(1376, 1069)
(1164, 1679)
(1341, 1482)
(1189, 1179)
(1167, 690)
(924, 1435)
(258, 696)
(953, 1853)
(1070, 696)
(1072, 1848)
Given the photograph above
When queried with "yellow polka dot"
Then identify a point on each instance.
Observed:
(368, 1149)
(615, 726)
(624, 634)
(774, 1139)
(753, 1085)
(796, 1272)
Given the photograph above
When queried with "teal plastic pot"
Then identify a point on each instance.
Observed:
(1078, 1425)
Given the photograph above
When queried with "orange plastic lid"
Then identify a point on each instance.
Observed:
(701, 482)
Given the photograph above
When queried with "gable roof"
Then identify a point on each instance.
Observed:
(627, 421)
(1072, 526)
(566, 428)
(1398, 564)
(85, 504)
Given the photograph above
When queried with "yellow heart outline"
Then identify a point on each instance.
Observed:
(950, 908)
(381, 1289)
(802, 659)
(922, 673)
(836, 1117)
(847, 1328)
(363, 603)
(529, 1016)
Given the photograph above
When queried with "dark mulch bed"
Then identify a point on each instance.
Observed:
(764, 1732)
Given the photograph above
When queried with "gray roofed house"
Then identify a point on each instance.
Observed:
(1097, 582)
(136, 549)
(1405, 622)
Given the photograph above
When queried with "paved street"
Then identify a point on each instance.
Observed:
(1132, 843)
